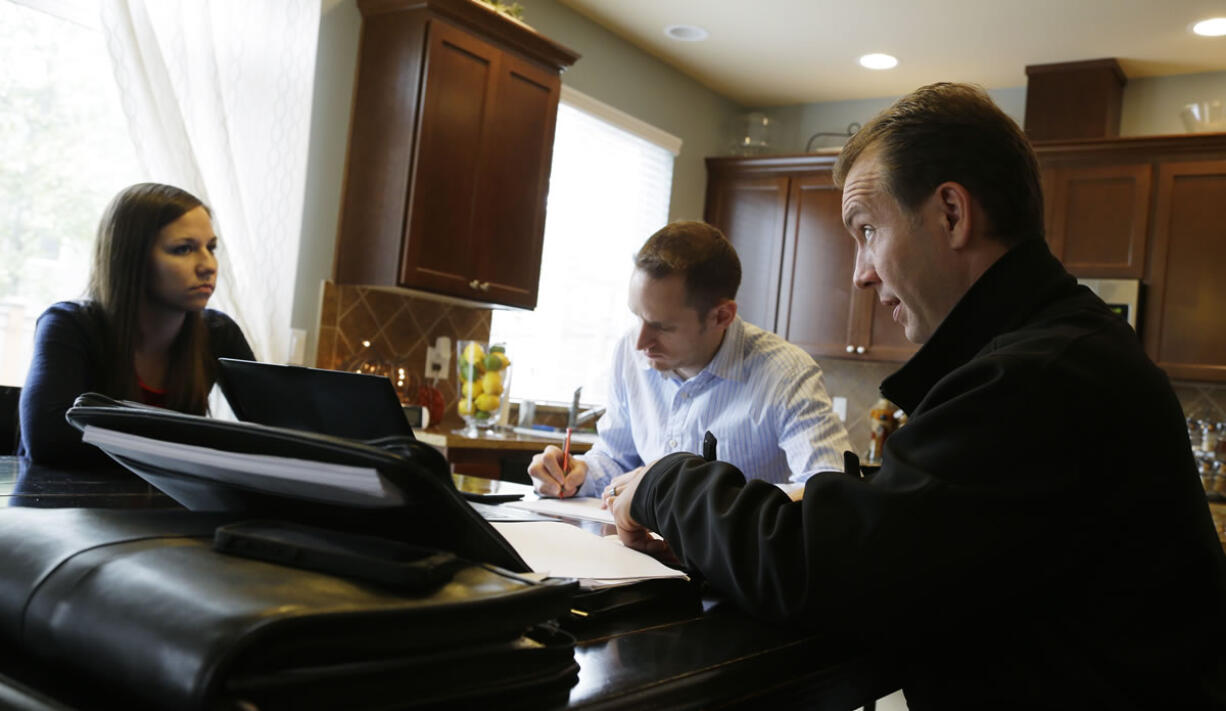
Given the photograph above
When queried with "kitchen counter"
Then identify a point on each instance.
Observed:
(444, 437)
(503, 457)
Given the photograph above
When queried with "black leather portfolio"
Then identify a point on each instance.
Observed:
(208, 464)
(141, 603)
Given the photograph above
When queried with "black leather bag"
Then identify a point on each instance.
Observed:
(140, 601)
(317, 604)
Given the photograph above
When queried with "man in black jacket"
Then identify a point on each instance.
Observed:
(1037, 536)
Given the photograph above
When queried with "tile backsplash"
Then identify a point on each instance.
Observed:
(399, 326)
(1202, 401)
(858, 381)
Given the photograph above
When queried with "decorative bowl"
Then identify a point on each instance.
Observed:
(1204, 116)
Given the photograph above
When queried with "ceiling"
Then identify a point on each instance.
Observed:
(781, 52)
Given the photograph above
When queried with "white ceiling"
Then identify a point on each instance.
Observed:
(781, 52)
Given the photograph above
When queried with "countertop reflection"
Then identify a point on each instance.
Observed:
(23, 483)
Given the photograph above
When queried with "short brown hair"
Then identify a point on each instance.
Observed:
(955, 132)
(701, 254)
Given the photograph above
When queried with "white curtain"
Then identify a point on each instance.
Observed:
(218, 99)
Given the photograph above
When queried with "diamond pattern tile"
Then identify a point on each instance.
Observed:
(400, 326)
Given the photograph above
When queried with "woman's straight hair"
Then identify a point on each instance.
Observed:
(120, 279)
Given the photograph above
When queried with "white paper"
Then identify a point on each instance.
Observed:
(300, 478)
(584, 508)
(566, 551)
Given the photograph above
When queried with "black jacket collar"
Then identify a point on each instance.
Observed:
(1007, 294)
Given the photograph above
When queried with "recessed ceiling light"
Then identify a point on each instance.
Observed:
(878, 61)
(686, 33)
(1213, 27)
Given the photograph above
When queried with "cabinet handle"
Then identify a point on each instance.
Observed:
(474, 284)
(860, 349)
(851, 349)
(485, 286)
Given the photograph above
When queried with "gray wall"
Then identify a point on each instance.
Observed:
(610, 70)
(336, 60)
(1152, 104)
(794, 125)
(1151, 107)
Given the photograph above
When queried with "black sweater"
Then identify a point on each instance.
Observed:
(68, 354)
(1037, 536)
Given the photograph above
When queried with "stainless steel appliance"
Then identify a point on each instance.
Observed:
(1122, 295)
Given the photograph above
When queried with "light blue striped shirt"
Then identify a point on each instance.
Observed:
(762, 397)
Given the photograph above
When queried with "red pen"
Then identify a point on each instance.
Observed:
(566, 453)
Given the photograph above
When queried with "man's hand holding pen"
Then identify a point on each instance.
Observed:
(552, 477)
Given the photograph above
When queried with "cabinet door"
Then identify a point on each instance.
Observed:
(1184, 326)
(509, 219)
(1098, 218)
(751, 212)
(440, 254)
(818, 297)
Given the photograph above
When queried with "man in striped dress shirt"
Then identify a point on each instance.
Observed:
(693, 366)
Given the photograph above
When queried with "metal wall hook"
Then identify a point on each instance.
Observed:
(851, 131)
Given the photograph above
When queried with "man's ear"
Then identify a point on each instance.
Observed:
(722, 314)
(957, 215)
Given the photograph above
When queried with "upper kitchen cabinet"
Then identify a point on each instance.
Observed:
(1186, 333)
(449, 151)
(784, 215)
(1154, 209)
(1098, 217)
(751, 211)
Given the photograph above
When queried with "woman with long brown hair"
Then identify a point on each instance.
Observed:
(143, 333)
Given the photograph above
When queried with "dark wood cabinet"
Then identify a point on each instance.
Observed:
(1146, 208)
(449, 152)
(1098, 217)
(818, 302)
(1153, 209)
(1186, 312)
(784, 215)
(751, 211)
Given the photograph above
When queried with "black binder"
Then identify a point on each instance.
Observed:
(432, 512)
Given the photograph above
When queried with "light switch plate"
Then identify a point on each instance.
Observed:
(840, 407)
(297, 346)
